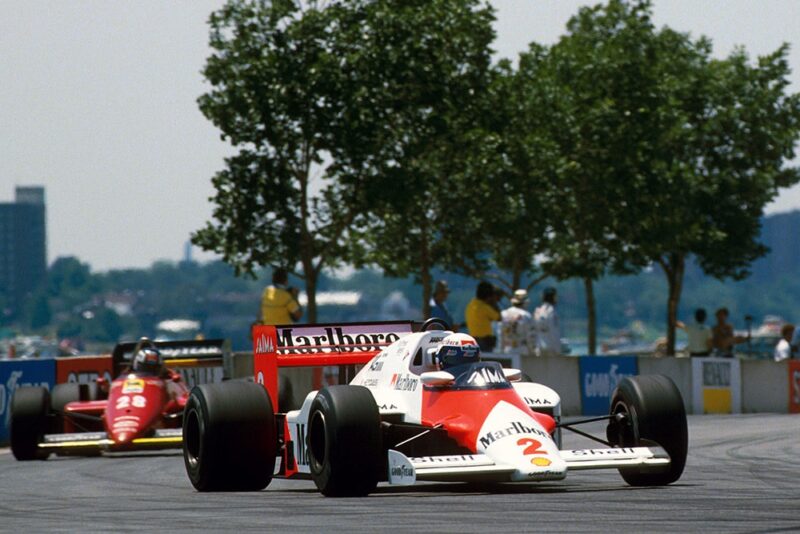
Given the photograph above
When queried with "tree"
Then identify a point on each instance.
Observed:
(415, 71)
(700, 144)
(276, 95)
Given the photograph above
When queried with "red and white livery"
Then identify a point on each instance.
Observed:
(424, 406)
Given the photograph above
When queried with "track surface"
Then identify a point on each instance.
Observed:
(743, 475)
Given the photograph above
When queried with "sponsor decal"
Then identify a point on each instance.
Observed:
(716, 374)
(302, 452)
(193, 376)
(540, 462)
(370, 382)
(376, 365)
(334, 339)
(264, 345)
(513, 429)
(486, 375)
(617, 451)
(404, 382)
(133, 385)
(387, 407)
(183, 352)
(535, 402)
(455, 458)
(599, 377)
(435, 339)
(401, 471)
(18, 373)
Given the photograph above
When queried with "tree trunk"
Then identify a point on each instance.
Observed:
(591, 327)
(673, 269)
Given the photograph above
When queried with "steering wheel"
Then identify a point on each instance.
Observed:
(434, 321)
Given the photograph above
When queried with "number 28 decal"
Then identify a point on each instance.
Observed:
(138, 401)
(534, 447)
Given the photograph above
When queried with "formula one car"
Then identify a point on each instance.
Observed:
(423, 407)
(141, 409)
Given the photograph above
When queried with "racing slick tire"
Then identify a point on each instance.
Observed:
(345, 452)
(654, 412)
(62, 395)
(229, 437)
(30, 407)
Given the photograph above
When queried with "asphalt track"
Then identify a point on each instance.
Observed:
(742, 475)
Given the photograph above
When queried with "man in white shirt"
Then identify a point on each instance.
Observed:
(518, 335)
(548, 331)
(700, 335)
(783, 350)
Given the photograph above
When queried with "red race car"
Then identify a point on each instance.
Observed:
(141, 409)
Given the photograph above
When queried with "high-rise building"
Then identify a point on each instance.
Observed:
(23, 248)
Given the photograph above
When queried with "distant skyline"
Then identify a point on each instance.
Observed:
(98, 105)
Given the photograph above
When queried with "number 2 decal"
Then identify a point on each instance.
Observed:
(532, 446)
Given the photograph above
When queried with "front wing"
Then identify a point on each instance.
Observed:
(90, 442)
(479, 467)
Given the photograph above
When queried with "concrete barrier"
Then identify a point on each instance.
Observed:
(678, 369)
(765, 387)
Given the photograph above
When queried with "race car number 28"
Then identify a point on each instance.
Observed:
(138, 401)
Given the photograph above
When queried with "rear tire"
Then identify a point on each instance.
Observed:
(344, 441)
(229, 437)
(654, 412)
(30, 407)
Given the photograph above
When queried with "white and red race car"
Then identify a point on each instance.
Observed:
(422, 407)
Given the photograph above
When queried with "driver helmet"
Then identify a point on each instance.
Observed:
(458, 349)
(147, 360)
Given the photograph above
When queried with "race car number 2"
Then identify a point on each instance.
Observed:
(533, 447)
(138, 401)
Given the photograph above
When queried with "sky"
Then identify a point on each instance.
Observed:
(98, 105)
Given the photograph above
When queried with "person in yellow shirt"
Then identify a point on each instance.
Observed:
(480, 313)
(278, 302)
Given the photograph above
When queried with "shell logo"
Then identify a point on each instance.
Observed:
(540, 462)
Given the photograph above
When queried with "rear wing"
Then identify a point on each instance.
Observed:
(181, 354)
(343, 344)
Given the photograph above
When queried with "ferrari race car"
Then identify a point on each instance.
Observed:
(424, 406)
(142, 409)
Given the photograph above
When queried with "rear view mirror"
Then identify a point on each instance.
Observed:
(437, 378)
(512, 375)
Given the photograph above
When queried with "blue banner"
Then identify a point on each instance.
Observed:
(599, 376)
(16, 373)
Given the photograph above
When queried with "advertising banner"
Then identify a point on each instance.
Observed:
(716, 385)
(83, 369)
(17, 373)
(794, 386)
(599, 377)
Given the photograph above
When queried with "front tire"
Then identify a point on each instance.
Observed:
(30, 407)
(652, 411)
(229, 437)
(62, 395)
(344, 441)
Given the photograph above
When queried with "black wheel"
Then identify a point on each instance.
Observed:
(344, 441)
(62, 395)
(229, 437)
(652, 411)
(434, 321)
(30, 407)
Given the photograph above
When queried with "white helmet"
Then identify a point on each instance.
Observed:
(458, 349)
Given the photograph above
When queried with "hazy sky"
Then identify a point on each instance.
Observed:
(97, 103)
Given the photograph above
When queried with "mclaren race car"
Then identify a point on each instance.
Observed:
(424, 406)
(139, 410)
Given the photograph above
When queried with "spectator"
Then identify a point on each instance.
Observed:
(517, 327)
(439, 305)
(548, 331)
(279, 302)
(723, 338)
(700, 335)
(480, 313)
(783, 350)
